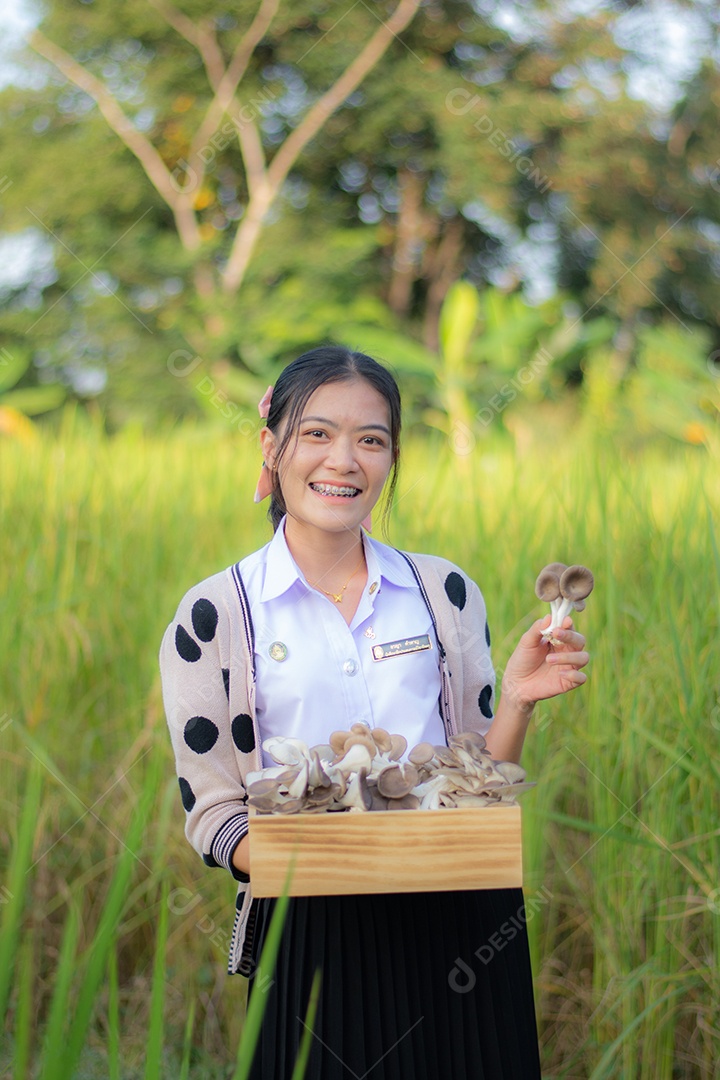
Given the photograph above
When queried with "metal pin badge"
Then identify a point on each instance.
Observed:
(373, 587)
(278, 651)
(370, 632)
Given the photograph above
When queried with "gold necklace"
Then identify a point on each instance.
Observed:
(337, 597)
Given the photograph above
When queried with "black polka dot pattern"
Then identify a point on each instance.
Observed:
(204, 619)
(484, 701)
(226, 681)
(487, 635)
(186, 646)
(243, 734)
(455, 589)
(200, 734)
(186, 794)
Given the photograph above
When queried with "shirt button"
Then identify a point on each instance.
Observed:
(350, 667)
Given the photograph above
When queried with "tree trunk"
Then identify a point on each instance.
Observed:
(443, 269)
(408, 241)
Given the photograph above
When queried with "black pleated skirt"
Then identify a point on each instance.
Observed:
(421, 986)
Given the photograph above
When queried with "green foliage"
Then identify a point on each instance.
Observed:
(25, 400)
(664, 389)
(469, 152)
(14, 893)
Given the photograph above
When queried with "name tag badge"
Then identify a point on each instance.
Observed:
(401, 647)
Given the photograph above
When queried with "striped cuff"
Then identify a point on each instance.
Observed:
(225, 841)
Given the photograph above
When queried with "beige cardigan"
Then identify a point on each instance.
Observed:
(208, 682)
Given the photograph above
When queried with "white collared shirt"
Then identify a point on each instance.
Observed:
(316, 674)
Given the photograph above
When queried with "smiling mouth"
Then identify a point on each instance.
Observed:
(340, 491)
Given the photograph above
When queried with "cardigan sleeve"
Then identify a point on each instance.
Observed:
(195, 671)
(478, 672)
(459, 609)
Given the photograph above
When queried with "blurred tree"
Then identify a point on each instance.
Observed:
(179, 223)
(229, 187)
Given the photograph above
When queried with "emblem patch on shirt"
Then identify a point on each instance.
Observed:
(402, 646)
(278, 651)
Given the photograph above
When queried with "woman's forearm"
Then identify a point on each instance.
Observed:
(241, 855)
(507, 732)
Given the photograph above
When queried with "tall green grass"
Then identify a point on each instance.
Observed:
(114, 935)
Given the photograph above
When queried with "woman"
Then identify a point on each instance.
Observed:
(281, 644)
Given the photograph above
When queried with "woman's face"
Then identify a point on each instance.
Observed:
(343, 442)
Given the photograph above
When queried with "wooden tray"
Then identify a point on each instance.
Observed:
(390, 851)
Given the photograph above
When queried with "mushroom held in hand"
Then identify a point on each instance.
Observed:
(565, 589)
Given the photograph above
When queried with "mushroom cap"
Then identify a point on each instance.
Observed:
(547, 585)
(557, 567)
(324, 751)
(445, 756)
(317, 777)
(358, 792)
(379, 802)
(264, 805)
(298, 786)
(579, 605)
(361, 740)
(397, 780)
(472, 741)
(471, 800)
(260, 789)
(338, 786)
(407, 802)
(510, 771)
(337, 741)
(421, 754)
(398, 747)
(319, 796)
(285, 750)
(511, 790)
(356, 757)
(382, 739)
(290, 806)
(576, 582)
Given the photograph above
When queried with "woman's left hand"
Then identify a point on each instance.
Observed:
(537, 670)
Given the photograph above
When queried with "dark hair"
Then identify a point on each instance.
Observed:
(299, 381)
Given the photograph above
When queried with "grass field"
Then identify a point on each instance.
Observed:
(114, 934)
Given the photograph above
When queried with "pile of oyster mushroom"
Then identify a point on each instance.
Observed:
(361, 769)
